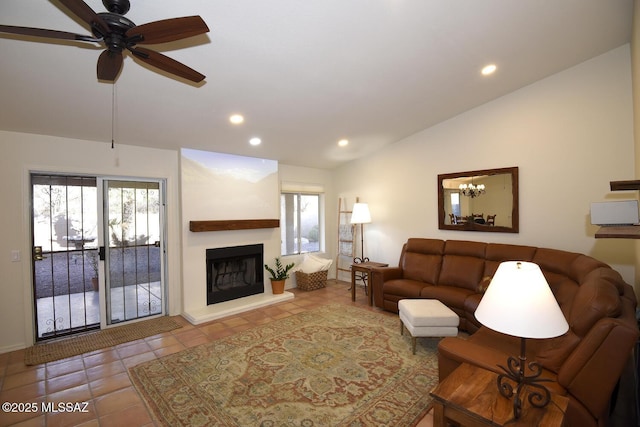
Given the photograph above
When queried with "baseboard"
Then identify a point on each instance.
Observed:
(10, 348)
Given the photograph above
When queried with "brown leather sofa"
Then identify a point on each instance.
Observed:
(585, 364)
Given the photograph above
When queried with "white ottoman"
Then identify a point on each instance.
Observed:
(427, 318)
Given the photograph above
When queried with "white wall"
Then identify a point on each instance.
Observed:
(569, 134)
(22, 153)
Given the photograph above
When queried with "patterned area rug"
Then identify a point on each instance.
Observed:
(332, 366)
(63, 348)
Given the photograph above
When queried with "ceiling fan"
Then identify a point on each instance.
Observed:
(118, 33)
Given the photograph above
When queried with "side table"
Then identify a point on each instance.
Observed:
(469, 396)
(364, 268)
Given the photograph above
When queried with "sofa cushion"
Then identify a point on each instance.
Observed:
(555, 263)
(471, 303)
(484, 284)
(610, 276)
(421, 259)
(496, 253)
(465, 248)
(425, 246)
(404, 288)
(470, 306)
(583, 265)
(564, 290)
(421, 267)
(504, 252)
(462, 264)
(551, 353)
(461, 271)
(450, 296)
(594, 300)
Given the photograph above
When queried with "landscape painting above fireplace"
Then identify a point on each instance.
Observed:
(227, 187)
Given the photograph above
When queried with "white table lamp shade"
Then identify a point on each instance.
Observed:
(519, 302)
(360, 214)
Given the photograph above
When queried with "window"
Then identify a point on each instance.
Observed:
(455, 204)
(301, 231)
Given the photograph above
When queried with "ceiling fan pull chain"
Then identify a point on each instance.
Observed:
(113, 113)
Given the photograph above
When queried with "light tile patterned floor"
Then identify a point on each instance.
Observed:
(100, 378)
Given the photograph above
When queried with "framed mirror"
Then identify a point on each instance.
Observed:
(483, 200)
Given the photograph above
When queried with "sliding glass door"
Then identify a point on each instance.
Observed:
(133, 238)
(65, 254)
(98, 252)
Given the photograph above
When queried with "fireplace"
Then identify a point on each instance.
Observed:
(234, 272)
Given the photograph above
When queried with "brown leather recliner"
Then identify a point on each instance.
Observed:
(585, 364)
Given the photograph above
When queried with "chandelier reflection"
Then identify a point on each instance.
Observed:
(471, 190)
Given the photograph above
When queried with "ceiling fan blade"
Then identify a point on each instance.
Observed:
(109, 65)
(84, 12)
(49, 34)
(167, 30)
(167, 64)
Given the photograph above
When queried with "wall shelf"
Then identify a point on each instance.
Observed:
(233, 224)
(624, 231)
(625, 185)
(621, 232)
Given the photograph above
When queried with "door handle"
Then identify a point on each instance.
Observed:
(101, 253)
(37, 253)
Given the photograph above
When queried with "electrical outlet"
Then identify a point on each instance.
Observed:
(15, 256)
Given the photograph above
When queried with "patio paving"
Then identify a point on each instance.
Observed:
(82, 309)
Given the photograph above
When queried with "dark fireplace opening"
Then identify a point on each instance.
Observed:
(234, 272)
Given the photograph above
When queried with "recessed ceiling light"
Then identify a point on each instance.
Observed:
(255, 141)
(236, 119)
(343, 142)
(489, 69)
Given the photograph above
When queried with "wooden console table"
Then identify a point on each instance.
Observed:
(364, 268)
(469, 397)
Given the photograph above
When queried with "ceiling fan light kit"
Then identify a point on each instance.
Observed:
(118, 33)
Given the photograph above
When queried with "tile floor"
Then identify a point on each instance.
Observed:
(100, 377)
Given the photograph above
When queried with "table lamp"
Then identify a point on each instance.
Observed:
(361, 215)
(519, 302)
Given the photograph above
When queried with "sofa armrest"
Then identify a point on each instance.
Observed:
(592, 370)
(380, 275)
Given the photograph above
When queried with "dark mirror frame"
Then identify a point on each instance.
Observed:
(471, 226)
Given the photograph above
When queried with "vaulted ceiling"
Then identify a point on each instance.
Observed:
(304, 74)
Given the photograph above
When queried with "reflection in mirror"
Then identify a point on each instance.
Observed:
(483, 200)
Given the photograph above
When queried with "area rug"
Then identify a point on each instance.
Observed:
(335, 365)
(68, 347)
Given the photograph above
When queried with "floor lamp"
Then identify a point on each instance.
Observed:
(361, 215)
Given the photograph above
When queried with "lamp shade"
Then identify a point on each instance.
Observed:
(519, 302)
(360, 214)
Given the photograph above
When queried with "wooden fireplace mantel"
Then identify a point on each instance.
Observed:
(233, 224)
